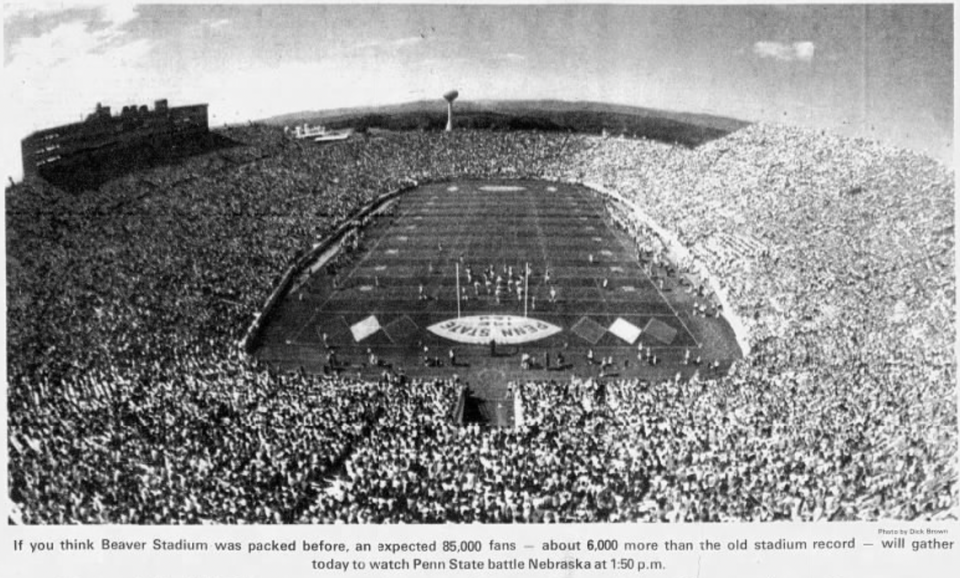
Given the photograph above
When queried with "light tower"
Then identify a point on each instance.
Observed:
(450, 97)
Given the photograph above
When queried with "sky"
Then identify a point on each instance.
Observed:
(881, 72)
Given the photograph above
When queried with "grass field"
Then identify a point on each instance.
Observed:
(403, 280)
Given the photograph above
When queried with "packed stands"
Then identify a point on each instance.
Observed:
(131, 402)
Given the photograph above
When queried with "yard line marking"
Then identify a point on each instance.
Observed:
(628, 251)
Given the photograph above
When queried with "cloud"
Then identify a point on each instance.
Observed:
(215, 24)
(511, 57)
(39, 9)
(395, 44)
(113, 14)
(84, 54)
(117, 14)
(798, 51)
(71, 39)
(804, 51)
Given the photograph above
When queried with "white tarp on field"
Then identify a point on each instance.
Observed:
(624, 330)
(365, 328)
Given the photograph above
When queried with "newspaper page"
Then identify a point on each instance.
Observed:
(479, 290)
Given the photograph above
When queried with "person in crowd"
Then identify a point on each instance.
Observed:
(130, 403)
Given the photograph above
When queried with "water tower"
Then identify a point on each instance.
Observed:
(450, 97)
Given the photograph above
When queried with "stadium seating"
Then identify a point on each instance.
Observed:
(131, 402)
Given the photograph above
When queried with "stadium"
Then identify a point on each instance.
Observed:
(757, 328)
(540, 270)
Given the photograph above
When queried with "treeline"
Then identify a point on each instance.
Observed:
(586, 122)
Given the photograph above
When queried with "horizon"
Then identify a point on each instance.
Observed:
(846, 69)
(462, 100)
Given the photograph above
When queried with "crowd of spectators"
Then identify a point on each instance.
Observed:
(131, 402)
(843, 276)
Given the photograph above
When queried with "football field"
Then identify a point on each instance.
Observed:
(541, 270)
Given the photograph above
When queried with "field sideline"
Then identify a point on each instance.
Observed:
(584, 278)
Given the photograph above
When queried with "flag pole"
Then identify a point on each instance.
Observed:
(526, 286)
(458, 289)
